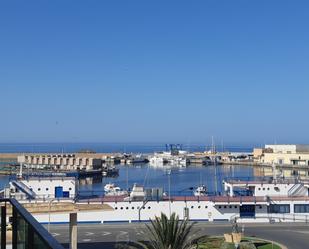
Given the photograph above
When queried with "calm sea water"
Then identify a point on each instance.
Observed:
(181, 179)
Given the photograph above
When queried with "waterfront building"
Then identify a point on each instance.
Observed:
(60, 161)
(284, 154)
(42, 188)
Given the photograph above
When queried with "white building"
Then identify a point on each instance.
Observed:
(288, 148)
(42, 188)
(285, 154)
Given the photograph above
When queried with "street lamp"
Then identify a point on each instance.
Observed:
(49, 207)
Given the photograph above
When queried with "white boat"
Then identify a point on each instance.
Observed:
(112, 190)
(200, 191)
(178, 161)
(167, 158)
(156, 161)
(137, 159)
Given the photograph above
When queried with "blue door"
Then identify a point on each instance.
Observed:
(58, 192)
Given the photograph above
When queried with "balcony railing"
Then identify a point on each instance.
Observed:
(27, 232)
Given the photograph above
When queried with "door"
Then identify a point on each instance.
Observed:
(247, 211)
(58, 192)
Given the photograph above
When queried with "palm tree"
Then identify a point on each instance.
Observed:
(169, 233)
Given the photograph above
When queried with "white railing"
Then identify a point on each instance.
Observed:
(286, 217)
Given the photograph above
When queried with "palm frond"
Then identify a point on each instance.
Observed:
(168, 233)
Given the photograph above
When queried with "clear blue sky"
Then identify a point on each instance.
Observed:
(154, 71)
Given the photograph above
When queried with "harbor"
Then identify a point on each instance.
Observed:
(89, 162)
(143, 185)
(154, 124)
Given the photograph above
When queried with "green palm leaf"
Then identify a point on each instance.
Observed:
(169, 233)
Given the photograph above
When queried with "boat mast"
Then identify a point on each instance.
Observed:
(20, 175)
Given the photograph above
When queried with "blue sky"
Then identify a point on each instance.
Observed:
(154, 71)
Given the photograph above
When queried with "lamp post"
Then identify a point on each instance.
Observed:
(49, 207)
(169, 190)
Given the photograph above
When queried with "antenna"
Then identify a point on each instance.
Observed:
(222, 145)
(213, 148)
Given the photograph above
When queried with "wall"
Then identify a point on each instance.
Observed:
(45, 188)
(281, 158)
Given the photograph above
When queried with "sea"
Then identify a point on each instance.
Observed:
(111, 147)
(180, 181)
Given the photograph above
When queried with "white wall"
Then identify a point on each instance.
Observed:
(45, 187)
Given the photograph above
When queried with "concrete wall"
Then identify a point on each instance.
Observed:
(288, 148)
(287, 159)
(282, 148)
(62, 161)
(45, 188)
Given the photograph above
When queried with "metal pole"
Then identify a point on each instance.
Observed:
(3, 227)
(49, 209)
(14, 228)
(169, 191)
(73, 230)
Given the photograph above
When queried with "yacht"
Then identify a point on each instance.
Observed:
(112, 190)
(200, 191)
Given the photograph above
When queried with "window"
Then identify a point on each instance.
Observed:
(70, 188)
(206, 206)
(116, 208)
(121, 208)
(279, 208)
(149, 207)
(39, 189)
(263, 188)
(47, 189)
(199, 207)
(219, 206)
(127, 207)
(235, 206)
(301, 208)
(192, 207)
(230, 206)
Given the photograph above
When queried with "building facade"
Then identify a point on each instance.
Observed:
(286, 154)
(60, 161)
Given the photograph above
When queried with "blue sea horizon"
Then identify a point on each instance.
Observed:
(110, 147)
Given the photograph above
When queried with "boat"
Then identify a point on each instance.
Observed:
(110, 171)
(200, 191)
(168, 158)
(157, 161)
(178, 161)
(112, 190)
(137, 159)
